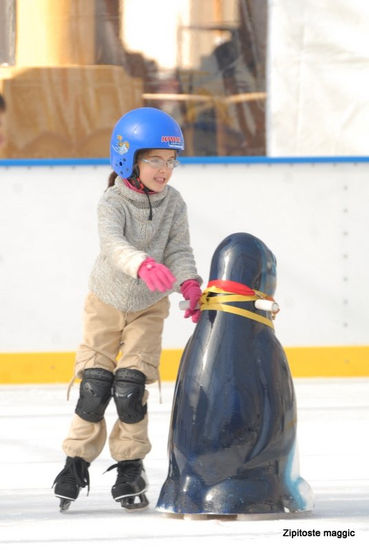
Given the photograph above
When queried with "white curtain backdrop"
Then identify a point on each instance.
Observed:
(318, 77)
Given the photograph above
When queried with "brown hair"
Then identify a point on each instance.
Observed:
(111, 179)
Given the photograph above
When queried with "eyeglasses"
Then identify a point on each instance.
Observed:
(157, 163)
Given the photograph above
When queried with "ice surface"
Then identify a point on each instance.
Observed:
(333, 426)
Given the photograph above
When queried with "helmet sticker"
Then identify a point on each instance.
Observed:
(122, 146)
(173, 141)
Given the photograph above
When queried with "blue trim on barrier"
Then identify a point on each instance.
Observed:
(191, 160)
(271, 160)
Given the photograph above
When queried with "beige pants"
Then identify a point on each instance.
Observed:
(107, 331)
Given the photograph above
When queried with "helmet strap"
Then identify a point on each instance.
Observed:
(134, 179)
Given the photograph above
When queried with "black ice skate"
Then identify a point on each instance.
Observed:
(130, 484)
(69, 481)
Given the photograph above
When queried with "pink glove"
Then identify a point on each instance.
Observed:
(156, 276)
(191, 291)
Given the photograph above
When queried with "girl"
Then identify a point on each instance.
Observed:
(145, 255)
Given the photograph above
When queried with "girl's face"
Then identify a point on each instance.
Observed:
(154, 176)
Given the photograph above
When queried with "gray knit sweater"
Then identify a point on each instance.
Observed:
(128, 237)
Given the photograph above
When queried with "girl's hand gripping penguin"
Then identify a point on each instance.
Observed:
(156, 276)
(191, 291)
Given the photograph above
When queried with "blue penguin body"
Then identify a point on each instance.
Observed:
(232, 441)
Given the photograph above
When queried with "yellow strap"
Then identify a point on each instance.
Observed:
(232, 298)
(220, 303)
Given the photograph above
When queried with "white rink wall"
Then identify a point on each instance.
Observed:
(313, 216)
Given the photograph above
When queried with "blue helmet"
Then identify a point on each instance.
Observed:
(143, 128)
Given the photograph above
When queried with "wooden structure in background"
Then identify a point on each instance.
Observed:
(65, 112)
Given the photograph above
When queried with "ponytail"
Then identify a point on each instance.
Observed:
(111, 179)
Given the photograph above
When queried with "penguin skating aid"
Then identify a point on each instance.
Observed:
(232, 441)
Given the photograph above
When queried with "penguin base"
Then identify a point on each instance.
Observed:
(238, 517)
(234, 497)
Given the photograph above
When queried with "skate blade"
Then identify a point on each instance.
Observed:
(65, 504)
(130, 505)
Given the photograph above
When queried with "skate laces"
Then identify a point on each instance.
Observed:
(128, 470)
(75, 472)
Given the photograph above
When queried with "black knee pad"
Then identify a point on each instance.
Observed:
(94, 394)
(128, 391)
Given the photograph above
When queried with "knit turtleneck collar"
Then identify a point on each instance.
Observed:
(131, 186)
(132, 194)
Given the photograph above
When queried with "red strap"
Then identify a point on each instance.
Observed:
(232, 286)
